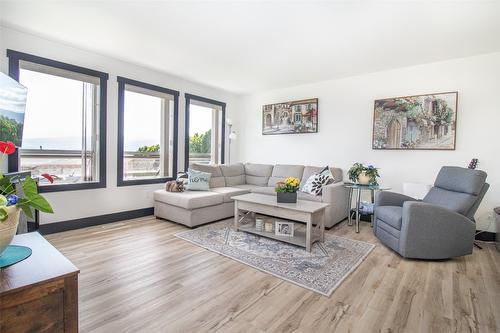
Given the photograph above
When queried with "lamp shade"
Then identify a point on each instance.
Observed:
(233, 136)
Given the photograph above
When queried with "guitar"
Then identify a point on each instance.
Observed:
(473, 164)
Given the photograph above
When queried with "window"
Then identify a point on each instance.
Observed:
(205, 130)
(65, 122)
(147, 133)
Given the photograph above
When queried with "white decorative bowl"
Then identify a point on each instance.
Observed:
(8, 228)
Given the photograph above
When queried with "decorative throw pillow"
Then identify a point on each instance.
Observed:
(327, 172)
(198, 180)
(183, 177)
(314, 184)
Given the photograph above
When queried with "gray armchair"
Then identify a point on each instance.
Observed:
(440, 226)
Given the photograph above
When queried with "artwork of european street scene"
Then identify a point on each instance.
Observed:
(290, 117)
(416, 122)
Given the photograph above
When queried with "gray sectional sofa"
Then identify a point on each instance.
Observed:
(193, 208)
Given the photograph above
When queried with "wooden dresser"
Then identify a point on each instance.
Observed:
(39, 294)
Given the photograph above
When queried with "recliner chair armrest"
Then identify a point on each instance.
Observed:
(387, 198)
(433, 232)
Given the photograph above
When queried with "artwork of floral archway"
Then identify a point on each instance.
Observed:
(416, 122)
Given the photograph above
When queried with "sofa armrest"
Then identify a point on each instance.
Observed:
(434, 232)
(334, 192)
(337, 196)
(386, 198)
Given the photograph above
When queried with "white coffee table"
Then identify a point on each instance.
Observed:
(311, 213)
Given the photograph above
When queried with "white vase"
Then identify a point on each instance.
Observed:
(363, 179)
(8, 228)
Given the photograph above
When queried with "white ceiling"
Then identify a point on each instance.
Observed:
(249, 46)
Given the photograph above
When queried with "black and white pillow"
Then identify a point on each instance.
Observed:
(314, 184)
(183, 176)
(327, 172)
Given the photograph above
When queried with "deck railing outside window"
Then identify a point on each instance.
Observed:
(67, 166)
(200, 158)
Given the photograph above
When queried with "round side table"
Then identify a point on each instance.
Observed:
(352, 187)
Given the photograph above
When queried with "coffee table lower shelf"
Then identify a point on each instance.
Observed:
(299, 237)
(309, 213)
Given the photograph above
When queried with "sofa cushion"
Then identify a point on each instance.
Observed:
(282, 171)
(189, 199)
(258, 174)
(309, 197)
(248, 187)
(198, 180)
(217, 180)
(229, 192)
(337, 174)
(234, 174)
(391, 215)
(308, 172)
(300, 195)
(264, 190)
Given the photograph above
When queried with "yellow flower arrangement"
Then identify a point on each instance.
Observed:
(290, 184)
(292, 181)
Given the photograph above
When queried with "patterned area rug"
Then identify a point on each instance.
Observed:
(322, 270)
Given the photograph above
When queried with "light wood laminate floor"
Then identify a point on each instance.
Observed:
(136, 276)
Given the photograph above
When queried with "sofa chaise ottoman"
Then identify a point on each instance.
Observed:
(193, 208)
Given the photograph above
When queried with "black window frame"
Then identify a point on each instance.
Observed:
(122, 81)
(14, 69)
(188, 98)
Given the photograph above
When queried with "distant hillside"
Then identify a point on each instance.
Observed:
(19, 117)
(75, 143)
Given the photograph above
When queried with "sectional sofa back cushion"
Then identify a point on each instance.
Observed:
(281, 171)
(309, 170)
(258, 174)
(234, 174)
(216, 180)
(337, 174)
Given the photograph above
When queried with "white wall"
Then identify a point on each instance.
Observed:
(78, 204)
(3, 163)
(345, 124)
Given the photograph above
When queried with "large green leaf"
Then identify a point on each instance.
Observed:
(4, 214)
(3, 200)
(24, 205)
(27, 210)
(38, 202)
(5, 186)
(29, 188)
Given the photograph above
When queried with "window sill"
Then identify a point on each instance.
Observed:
(147, 181)
(72, 187)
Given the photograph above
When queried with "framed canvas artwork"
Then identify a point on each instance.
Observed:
(12, 106)
(290, 117)
(426, 122)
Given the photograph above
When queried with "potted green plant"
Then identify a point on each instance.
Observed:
(12, 204)
(286, 191)
(364, 175)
